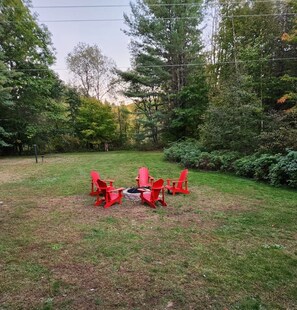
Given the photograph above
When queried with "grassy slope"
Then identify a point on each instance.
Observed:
(230, 244)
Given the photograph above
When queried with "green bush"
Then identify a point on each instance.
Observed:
(245, 166)
(209, 161)
(276, 169)
(227, 159)
(183, 150)
(190, 159)
(280, 132)
(284, 172)
(262, 166)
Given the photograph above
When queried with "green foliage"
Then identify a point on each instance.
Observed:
(34, 88)
(275, 169)
(73, 102)
(168, 92)
(209, 161)
(284, 172)
(95, 122)
(262, 166)
(192, 154)
(231, 128)
(64, 143)
(248, 46)
(187, 115)
(227, 158)
(178, 151)
(245, 166)
(254, 73)
(279, 133)
(4, 104)
(233, 120)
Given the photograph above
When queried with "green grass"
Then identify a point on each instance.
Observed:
(230, 244)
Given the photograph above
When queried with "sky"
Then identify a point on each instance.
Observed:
(108, 35)
(66, 35)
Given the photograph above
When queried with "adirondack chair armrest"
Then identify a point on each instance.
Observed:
(109, 181)
(116, 189)
(142, 190)
(172, 180)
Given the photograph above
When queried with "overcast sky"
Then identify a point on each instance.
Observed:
(106, 34)
(65, 35)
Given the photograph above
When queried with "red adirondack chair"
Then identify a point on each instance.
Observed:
(95, 190)
(180, 185)
(152, 196)
(144, 179)
(110, 195)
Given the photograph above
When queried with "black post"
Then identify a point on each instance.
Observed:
(35, 151)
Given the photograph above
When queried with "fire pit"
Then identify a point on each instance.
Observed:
(132, 193)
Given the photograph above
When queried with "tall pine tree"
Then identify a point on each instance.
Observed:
(167, 78)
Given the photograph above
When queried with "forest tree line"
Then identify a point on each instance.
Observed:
(237, 93)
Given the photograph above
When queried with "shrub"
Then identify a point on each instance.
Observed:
(190, 159)
(276, 169)
(227, 160)
(284, 172)
(263, 164)
(184, 149)
(245, 166)
(280, 132)
(209, 161)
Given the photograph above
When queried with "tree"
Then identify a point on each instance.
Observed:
(233, 119)
(167, 67)
(280, 132)
(27, 53)
(5, 104)
(248, 43)
(123, 124)
(95, 122)
(93, 70)
(73, 102)
(289, 97)
(250, 46)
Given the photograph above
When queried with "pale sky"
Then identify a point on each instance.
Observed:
(106, 34)
(66, 35)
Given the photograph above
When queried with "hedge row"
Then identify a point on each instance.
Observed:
(279, 169)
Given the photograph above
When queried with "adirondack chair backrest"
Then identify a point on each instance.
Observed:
(182, 178)
(102, 184)
(143, 175)
(156, 188)
(94, 175)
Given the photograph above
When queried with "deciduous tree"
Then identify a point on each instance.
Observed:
(95, 122)
(27, 53)
(93, 72)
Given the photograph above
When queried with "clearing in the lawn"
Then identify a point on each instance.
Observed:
(230, 244)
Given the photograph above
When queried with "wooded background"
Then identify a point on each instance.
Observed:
(238, 93)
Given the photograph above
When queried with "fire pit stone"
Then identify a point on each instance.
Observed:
(132, 193)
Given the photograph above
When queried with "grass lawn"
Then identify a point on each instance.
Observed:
(230, 244)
